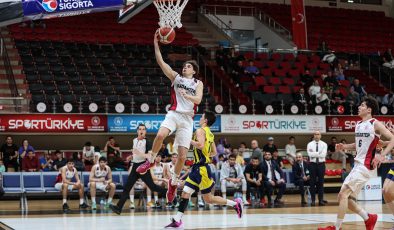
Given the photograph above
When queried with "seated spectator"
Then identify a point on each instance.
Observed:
(9, 154)
(23, 150)
(112, 148)
(359, 89)
(328, 88)
(337, 98)
(164, 151)
(270, 146)
(232, 176)
(89, 154)
(330, 79)
(336, 155)
(60, 161)
(301, 98)
(244, 152)
(306, 79)
(314, 90)
(256, 151)
(46, 162)
(30, 163)
(291, 150)
(301, 176)
(340, 75)
(388, 100)
(2, 167)
(278, 159)
(78, 164)
(239, 159)
(353, 97)
(221, 161)
(220, 57)
(322, 98)
(273, 178)
(157, 172)
(238, 72)
(254, 178)
(252, 70)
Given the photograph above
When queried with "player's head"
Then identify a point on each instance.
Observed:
(141, 130)
(369, 106)
(231, 159)
(70, 163)
(190, 68)
(174, 157)
(102, 162)
(207, 119)
(88, 145)
(158, 158)
(292, 139)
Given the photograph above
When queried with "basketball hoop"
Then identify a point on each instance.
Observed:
(170, 12)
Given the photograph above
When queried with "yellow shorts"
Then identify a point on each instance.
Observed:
(200, 179)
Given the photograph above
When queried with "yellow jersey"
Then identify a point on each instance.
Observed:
(202, 156)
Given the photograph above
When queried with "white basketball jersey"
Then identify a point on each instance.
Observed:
(70, 174)
(366, 142)
(178, 102)
(98, 173)
(158, 170)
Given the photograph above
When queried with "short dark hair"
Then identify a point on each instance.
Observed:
(88, 144)
(194, 64)
(291, 137)
(109, 138)
(210, 116)
(57, 151)
(255, 158)
(70, 160)
(232, 156)
(103, 159)
(373, 104)
(332, 138)
(141, 124)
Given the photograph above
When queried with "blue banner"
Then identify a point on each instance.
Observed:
(129, 123)
(41, 9)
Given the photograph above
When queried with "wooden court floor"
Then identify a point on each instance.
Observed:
(291, 216)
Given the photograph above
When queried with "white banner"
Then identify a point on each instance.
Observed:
(372, 190)
(272, 124)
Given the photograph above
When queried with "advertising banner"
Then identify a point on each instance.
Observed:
(42, 9)
(272, 124)
(52, 123)
(348, 123)
(129, 123)
(372, 190)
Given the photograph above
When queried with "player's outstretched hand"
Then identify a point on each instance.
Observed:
(156, 37)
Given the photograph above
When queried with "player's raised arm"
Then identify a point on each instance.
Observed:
(379, 127)
(167, 70)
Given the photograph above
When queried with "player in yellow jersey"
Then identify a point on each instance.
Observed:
(200, 177)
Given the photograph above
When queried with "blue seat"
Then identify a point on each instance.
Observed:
(117, 179)
(12, 183)
(85, 180)
(48, 180)
(32, 182)
(124, 176)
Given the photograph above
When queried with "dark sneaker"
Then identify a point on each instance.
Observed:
(171, 192)
(238, 207)
(65, 207)
(143, 168)
(84, 205)
(175, 224)
(157, 204)
(115, 209)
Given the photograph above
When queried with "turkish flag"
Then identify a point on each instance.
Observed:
(299, 24)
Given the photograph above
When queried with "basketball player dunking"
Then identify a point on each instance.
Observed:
(186, 94)
(367, 132)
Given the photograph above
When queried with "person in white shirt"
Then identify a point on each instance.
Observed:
(317, 151)
(314, 90)
(291, 150)
(89, 155)
(231, 175)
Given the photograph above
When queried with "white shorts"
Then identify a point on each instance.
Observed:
(139, 185)
(357, 178)
(58, 186)
(100, 186)
(182, 124)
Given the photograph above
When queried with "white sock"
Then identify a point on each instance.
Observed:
(64, 201)
(149, 198)
(224, 196)
(363, 214)
(152, 159)
(231, 203)
(93, 199)
(178, 216)
(199, 197)
(80, 201)
(132, 198)
(244, 197)
(156, 198)
(338, 224)
(109, 200)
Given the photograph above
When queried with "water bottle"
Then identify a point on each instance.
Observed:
(102, 201)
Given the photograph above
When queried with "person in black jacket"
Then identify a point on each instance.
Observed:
(301, 175)
(273, 178)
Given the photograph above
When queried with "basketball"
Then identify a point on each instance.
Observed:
(166, 35)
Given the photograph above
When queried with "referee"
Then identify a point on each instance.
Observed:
(141, 146)
(317, 151)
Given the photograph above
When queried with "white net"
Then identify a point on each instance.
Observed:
(170, 12)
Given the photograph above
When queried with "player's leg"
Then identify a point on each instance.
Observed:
(223, 188)
(148, 180)
(168, 125)
(176, 221)
(81, 194)
(64, 189)
(111, 187)
(92, 186)
(131, 179)
(243, 187)
(131, 195)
